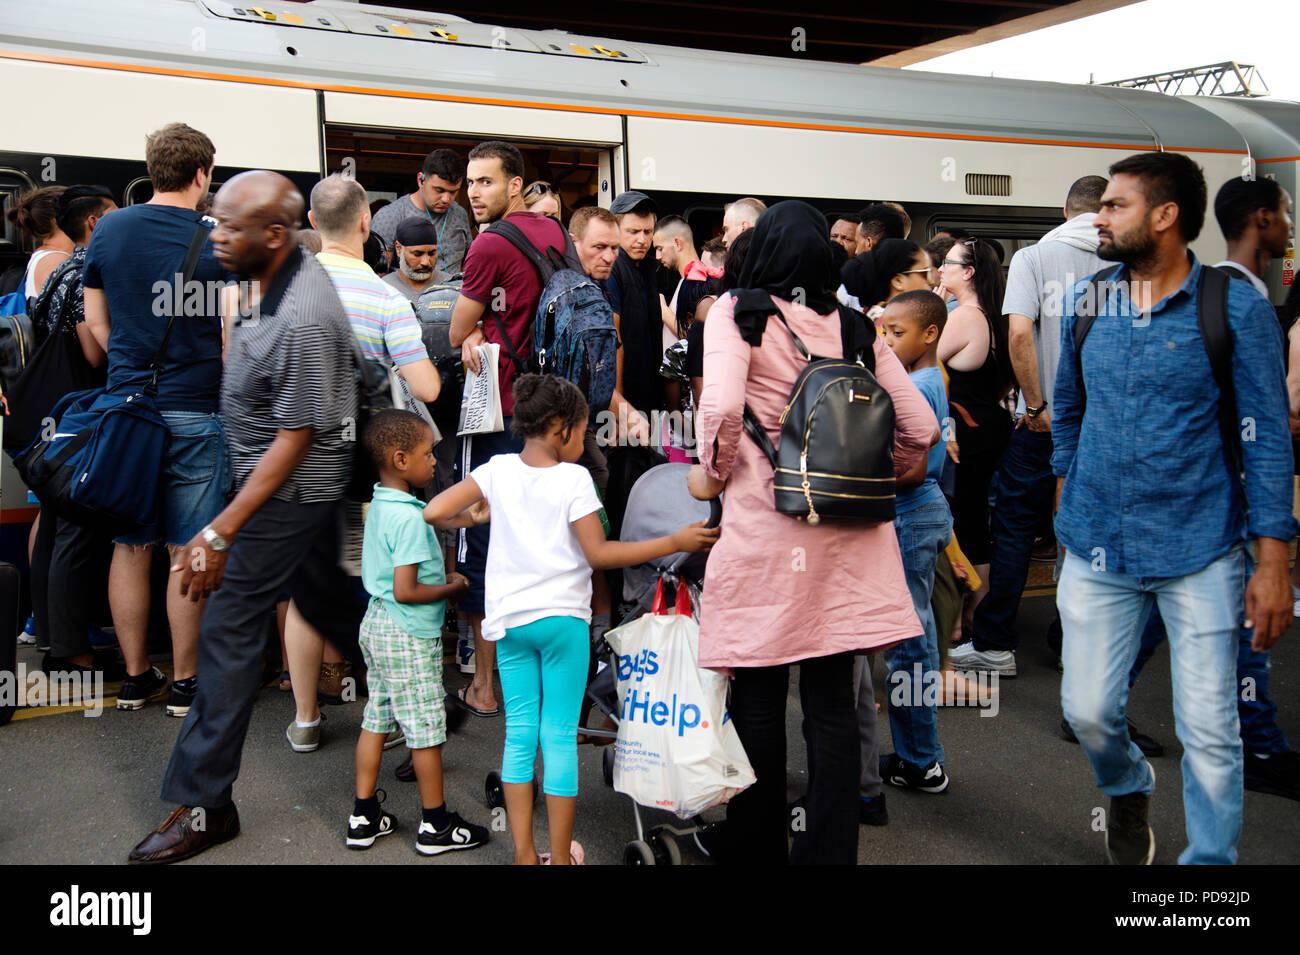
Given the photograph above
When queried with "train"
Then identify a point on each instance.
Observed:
(311, 88)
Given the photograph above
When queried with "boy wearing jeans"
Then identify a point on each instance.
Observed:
(402, 569)
(912, 323)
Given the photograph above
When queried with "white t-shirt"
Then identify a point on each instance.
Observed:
(535, 566)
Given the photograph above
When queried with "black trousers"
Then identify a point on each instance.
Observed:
(282, 547)
(69, 583)
(757, 820)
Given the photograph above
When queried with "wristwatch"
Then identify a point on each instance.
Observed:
(214, 540)
(1035, 412)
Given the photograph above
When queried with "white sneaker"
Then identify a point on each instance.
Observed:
(965, 657)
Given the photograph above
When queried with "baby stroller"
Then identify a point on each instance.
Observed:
(659, 504)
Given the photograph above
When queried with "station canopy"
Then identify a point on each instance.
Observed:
(879, 34)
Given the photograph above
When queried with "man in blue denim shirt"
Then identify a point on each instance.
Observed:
(1151, 515)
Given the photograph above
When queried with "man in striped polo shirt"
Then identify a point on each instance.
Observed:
(288, 399)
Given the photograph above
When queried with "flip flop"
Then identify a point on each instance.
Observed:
(460, 697)
(576, 855)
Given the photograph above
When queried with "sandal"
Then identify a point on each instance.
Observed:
(285, 684)
(576, 855)
(461, 697)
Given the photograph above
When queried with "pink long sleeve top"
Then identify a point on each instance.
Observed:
(778, 590)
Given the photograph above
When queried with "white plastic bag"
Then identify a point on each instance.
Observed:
(480, 405)
(677, 748)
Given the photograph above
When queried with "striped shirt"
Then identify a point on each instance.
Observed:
(381, 316)
(292, 367)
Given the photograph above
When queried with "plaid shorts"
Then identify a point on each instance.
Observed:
(405, 678)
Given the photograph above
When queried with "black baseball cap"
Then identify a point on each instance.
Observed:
(633, 201)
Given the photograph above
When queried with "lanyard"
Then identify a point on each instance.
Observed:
(445, 216)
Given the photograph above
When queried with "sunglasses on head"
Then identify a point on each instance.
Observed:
(537, 189)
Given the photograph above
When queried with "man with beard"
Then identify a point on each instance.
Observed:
(288, 396)
(415, 250)
(1152, 512)
(497, 303)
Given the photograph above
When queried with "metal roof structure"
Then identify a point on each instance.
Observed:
(881, 34)
(1218, 79)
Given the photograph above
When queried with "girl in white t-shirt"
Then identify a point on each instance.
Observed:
(546, 539)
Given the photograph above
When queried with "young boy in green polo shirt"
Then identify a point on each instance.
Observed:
(402, 569)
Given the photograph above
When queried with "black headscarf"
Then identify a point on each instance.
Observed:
(790, 257)
(867, 276)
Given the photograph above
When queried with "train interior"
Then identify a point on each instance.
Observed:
(386, 163)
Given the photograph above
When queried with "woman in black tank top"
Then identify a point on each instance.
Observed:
(974, 350)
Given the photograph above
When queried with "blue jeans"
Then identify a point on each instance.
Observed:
(1103, 615)
(913, 710)
(195, 483)
(1255, 708)
(1024, 489)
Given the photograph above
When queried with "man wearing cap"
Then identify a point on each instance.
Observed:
(415, 252)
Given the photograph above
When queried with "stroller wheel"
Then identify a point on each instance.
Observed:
(495, 792)
(638, 853)
(607, 765)
(665, 848)
(496, 796)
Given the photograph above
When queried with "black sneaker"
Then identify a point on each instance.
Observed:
(405, 772)
(899, 772)
(459, 834)
(181, 696)
(142, 689)
(110, 667)
(362, 832)
(1150, 748)
(1279, 775)
(1129, 839)
(872, 812)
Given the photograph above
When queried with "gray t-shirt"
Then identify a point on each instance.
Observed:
(452, 226)
(1038, 280)
(396, 281)
(292, 367)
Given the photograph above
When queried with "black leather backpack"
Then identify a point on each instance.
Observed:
(836, 456)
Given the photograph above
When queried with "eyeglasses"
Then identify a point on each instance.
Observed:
(964, 265)
(915, 271)
(538, 188)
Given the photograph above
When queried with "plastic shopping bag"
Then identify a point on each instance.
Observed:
(480, 405)
(677, 748)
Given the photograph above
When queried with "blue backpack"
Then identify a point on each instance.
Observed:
(574, 337)
(573, 333)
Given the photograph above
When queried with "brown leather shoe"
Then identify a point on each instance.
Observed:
(186, 832)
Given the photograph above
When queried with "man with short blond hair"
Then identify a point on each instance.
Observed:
(740, 215)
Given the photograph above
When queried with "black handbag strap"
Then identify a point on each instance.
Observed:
(201, 232)
(850, 342)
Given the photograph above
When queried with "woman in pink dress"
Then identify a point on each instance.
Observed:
(778, 590)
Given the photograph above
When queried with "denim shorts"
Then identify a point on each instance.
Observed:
(195, 481)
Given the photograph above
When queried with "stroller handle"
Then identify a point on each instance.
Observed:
(715, 518)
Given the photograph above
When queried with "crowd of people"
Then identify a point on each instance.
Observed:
(1163, 521)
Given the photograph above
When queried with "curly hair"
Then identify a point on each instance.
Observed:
(393, 429)
(539, 399)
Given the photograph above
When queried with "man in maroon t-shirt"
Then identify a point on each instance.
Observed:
(499, 280)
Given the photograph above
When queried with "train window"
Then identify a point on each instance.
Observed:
(13, 183)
